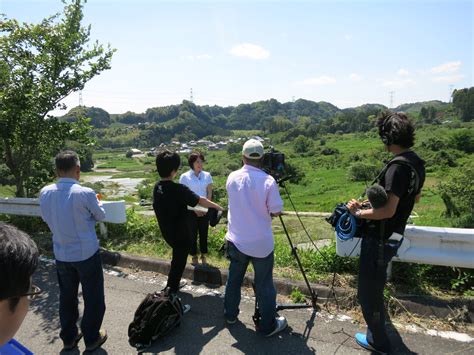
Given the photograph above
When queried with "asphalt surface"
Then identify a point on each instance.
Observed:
(204, 329)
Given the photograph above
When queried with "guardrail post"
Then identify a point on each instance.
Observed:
(103, 230)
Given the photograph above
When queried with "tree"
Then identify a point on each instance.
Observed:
(463, 102)
(41, 64)
(302, 144)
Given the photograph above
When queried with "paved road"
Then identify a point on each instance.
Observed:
(204, 330)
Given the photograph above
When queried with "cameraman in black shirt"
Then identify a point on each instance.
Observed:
(402, 179)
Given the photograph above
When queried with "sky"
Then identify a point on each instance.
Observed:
(347, 53)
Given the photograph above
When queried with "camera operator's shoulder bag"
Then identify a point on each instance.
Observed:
(156, 316)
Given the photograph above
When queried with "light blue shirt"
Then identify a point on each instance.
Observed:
(197, 184)
(71, 212)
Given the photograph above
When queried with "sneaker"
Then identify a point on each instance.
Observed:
(98, 343)
(361, 339)
(182, 283)
(281, 324)
(186, 308)
(70, 346)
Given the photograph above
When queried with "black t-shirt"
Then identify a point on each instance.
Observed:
(397, 181)
(170, 201)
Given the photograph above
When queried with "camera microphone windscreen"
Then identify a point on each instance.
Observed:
(377, 196)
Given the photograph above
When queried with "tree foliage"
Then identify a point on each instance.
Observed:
(463, 101)
(40, 65)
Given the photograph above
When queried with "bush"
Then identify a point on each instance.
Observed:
(233, 148)
(457, 193)
(329, 151)
(302, 144)
(145, 189)
(137, 228)
(363, 171)
(421, 277)
(463, 140)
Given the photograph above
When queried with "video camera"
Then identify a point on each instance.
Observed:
(274, 164)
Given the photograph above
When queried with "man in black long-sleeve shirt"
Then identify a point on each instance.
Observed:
(170, 201)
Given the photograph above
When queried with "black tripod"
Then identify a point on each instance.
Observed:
(313, 294)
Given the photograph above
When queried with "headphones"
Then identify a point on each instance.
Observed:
(384, 135)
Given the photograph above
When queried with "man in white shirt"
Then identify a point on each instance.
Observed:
(253, 200)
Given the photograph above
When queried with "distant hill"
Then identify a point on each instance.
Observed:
(417, 106)
(187, 121)
(244, 116)
(99, 117)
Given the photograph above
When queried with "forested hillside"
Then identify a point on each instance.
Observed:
(188, 121)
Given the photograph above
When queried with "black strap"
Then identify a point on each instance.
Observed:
(414, 187)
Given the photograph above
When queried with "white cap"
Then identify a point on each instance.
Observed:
(252, 149)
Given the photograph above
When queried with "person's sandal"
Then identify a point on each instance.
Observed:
(195, 260)
(98, 343)
(73, 345)
(203, 260)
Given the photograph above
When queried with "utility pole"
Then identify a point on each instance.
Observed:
(391, 93)
(191, 98)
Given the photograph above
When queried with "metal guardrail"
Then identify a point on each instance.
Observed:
(114, 210)
(426, 245)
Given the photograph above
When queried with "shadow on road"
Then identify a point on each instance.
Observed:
(47, 305)
(206, 321)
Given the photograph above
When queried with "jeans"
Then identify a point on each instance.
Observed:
(198, 225)
(90, 275)
(265, 291)
(372, 279)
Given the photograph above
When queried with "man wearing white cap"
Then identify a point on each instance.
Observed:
(253, 200)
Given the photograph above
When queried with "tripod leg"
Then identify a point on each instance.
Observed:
(313, 294)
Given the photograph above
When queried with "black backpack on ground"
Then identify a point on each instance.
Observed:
(156, 316)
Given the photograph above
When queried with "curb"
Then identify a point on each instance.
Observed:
(420, 305)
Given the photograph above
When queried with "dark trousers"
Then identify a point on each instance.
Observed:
(198, 225)
(180, 243)
(90, 275)
(372, 279)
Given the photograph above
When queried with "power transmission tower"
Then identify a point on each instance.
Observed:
(191, 98)
(81, 102)
(391, 93)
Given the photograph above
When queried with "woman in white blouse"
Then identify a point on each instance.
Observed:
(200, 182)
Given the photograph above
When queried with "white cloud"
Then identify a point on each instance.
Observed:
(398, 83)
(448, 78)
(321, 80)
(348, 37)
(403, 72)
(249, 50)
(355, 77)
(450, 67)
